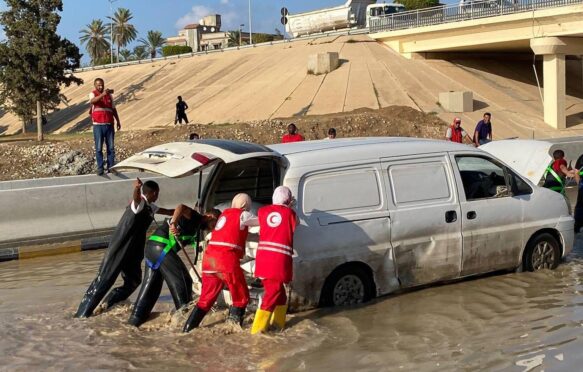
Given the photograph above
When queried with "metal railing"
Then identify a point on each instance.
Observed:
(203, 53)
(464, 11)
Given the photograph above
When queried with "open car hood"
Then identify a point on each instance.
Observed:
(531, 158)
(179, 159)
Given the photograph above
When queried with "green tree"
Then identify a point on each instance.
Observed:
(123, 31)
(96, 40)
(418, 4)
(140, 52)
(153, 42)
(35, 62)
(126, 54)
(262, 38)
(172, 50)
(234, 38)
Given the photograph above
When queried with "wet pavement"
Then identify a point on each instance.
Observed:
(508, 322)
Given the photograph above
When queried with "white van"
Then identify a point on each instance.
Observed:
(382, 214)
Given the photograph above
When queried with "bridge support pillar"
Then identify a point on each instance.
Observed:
(554, 50)
(554, 76)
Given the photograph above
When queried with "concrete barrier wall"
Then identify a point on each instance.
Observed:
(57, 210)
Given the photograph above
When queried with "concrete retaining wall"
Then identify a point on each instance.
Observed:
(70, 214)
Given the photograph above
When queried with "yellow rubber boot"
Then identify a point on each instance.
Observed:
(261, 321)
(278, 317)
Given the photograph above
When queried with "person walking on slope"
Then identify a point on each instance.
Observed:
(125, 251)
(273, 261)
(181, 108)
(103, 113)
(221, 263)
(164, 265)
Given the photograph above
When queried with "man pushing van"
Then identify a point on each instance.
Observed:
(126, 250)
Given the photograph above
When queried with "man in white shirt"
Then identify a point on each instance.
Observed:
(103, 115)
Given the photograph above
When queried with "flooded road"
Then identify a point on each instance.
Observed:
(510, 322)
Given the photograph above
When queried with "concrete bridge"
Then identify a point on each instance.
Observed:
(552, 29)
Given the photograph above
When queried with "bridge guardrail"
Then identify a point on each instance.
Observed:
(463, 11)
(203, 53)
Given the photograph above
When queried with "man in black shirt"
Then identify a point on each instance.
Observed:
(181, 108)
(125, 251)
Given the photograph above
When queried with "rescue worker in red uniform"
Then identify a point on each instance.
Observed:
(103, 116)
(221, 263)
(273, 261)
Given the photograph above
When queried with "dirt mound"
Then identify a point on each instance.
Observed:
(60, 155)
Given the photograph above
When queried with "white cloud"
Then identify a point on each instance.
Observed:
(228, 16)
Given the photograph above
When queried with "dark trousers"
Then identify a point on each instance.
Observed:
(116, 261)
(104, 133)
(174, 273)
(181, 116)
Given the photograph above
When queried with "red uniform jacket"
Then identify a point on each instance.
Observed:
(102, 111)
(456, 134)
(227, 245)
(276, 236)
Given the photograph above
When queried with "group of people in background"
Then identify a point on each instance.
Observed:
(220, 265)
(482, 134)
(293, 135)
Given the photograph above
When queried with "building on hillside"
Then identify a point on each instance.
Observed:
(207, 35)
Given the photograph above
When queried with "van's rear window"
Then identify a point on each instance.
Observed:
(235, 147)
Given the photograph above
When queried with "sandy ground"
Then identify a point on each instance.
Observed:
(22, 158)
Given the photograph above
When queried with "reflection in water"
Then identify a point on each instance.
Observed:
(514, 322)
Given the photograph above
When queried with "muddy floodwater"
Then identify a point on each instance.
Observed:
(510, 322)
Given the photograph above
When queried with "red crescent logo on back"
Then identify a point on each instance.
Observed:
(274, 219)
(221, 222)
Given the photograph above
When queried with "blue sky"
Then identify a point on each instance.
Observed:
(169, 16)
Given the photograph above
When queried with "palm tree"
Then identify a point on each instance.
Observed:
(123, 31)
(234, 38)
(95, 38)
(153, 42)
(126, 54)
(140, 52)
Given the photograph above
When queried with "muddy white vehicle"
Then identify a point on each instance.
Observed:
(382, 214)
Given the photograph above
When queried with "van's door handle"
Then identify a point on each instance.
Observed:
(450, 216)
(472, 215)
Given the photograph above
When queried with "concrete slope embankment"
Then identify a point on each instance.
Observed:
(271, 82)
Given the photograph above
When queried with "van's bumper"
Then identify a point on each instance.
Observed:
(566, 228)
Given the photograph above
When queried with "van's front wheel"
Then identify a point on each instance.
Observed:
(347, 285)
(542, 252)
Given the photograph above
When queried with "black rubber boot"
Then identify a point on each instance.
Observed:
(194, 319)
(236, 315)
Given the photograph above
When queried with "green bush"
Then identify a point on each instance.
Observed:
(172, 50)
(418, 4)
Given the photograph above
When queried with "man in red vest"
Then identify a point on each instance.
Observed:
(103, 113)
(221, 263)
(455, 133)
(273, 261)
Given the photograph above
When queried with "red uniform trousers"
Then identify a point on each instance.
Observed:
(213, 283)
(273, 294)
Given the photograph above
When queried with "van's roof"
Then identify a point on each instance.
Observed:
(318, 151)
